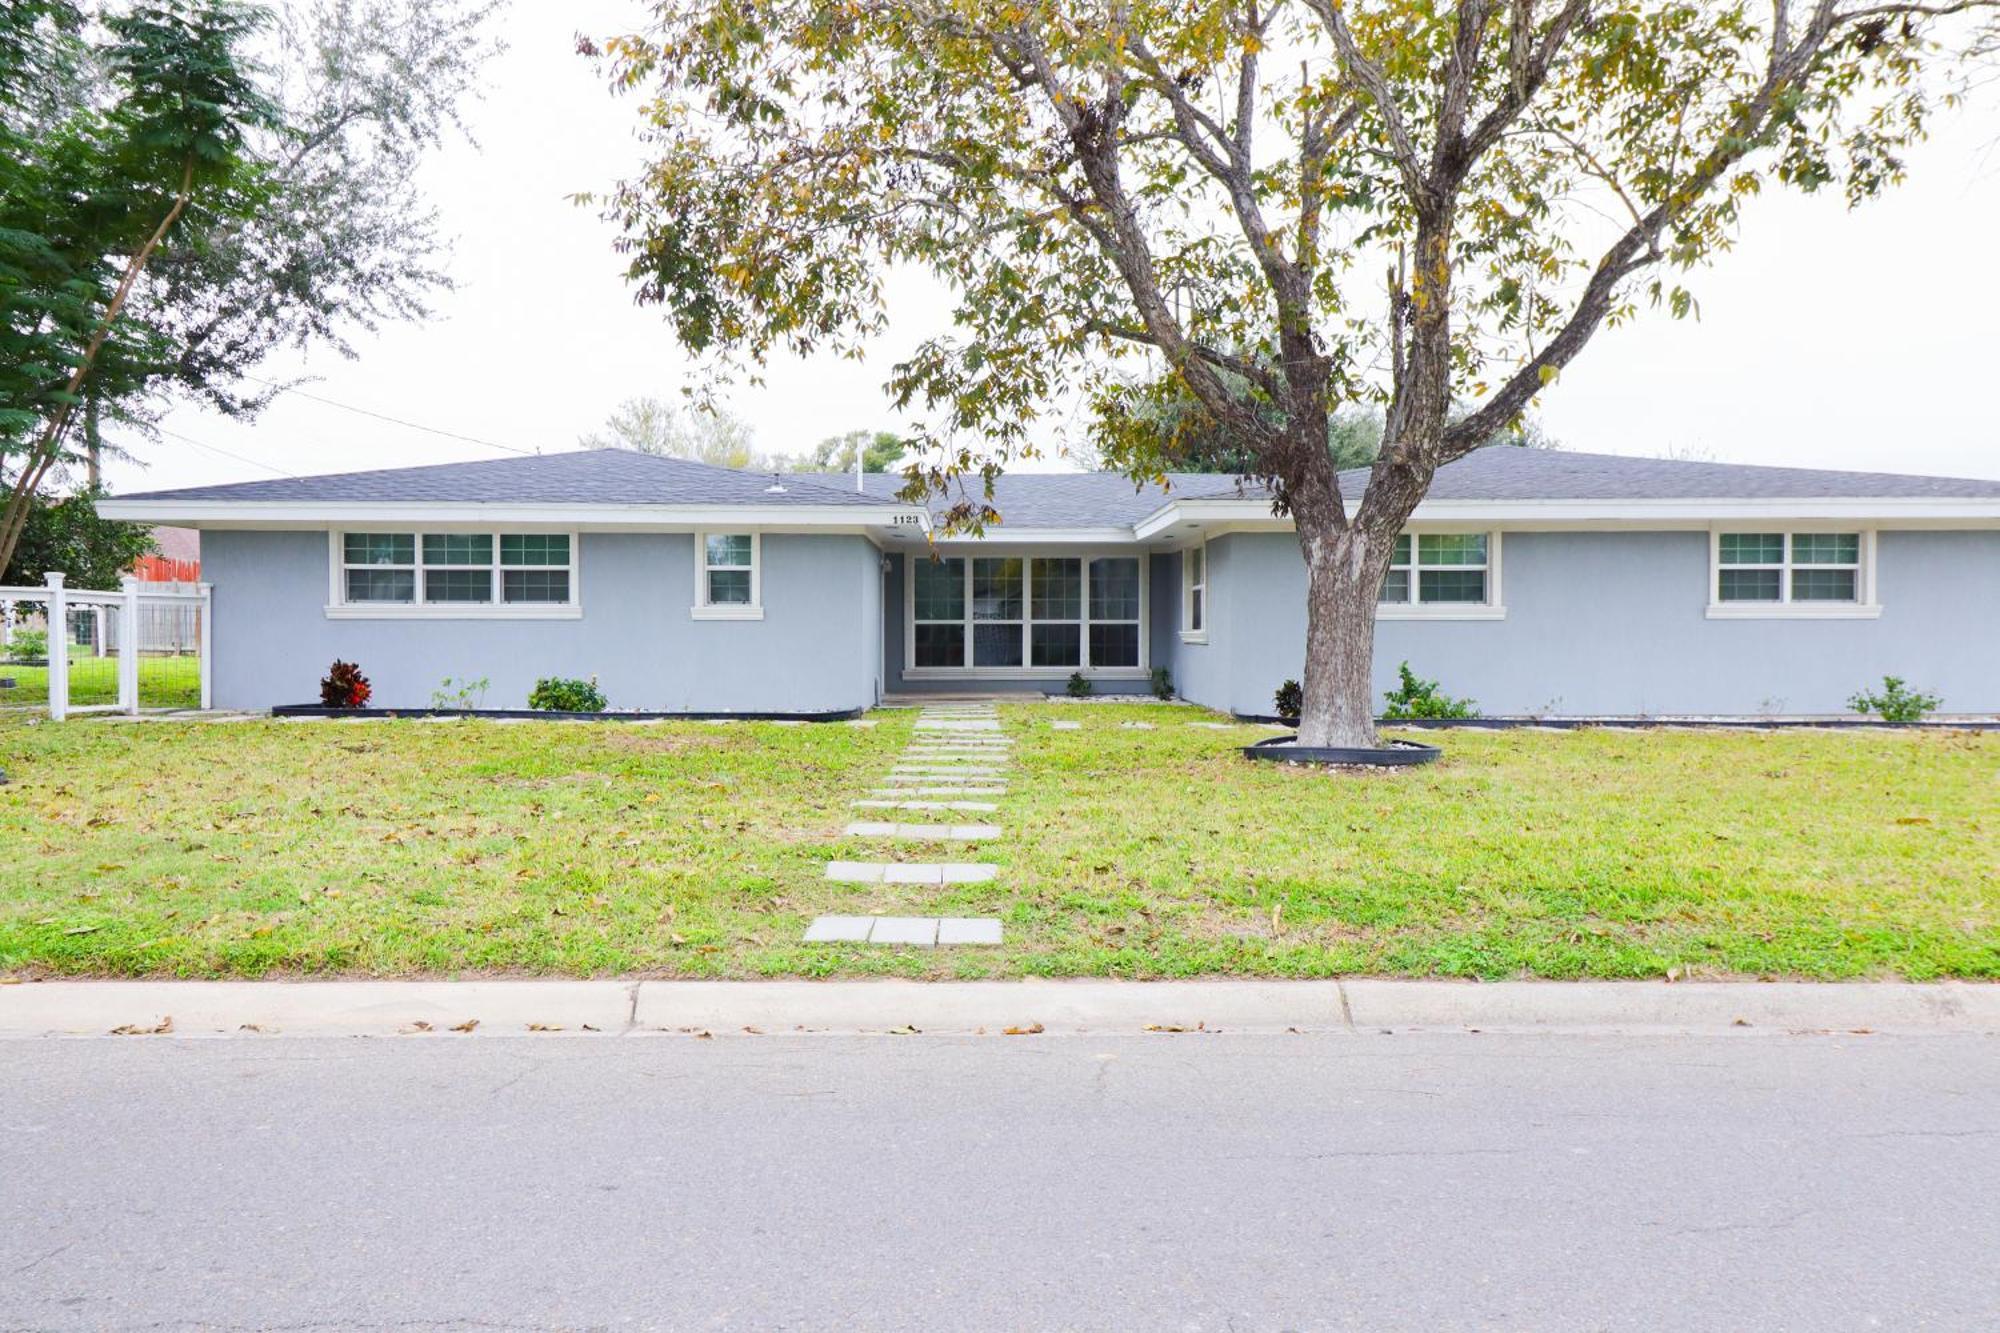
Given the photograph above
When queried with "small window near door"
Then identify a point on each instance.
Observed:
(728, 586)
(1194, 594)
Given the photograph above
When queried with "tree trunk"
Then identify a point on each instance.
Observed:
(1344, 569)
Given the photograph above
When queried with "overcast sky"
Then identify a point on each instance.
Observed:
(1827, 337)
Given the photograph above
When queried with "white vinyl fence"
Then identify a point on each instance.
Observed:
(98, 639)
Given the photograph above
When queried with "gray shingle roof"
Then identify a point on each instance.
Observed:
(589, 476)
(1063, 500)
(1104, 499)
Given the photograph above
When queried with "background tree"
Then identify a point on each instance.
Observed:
(880, 451)
(67, 535)
(300, 222)
(1424, 207)
(655, 426)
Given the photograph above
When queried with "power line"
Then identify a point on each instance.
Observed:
(396, 421)
(216, 449)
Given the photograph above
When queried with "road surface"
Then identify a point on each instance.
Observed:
(1166, 1181)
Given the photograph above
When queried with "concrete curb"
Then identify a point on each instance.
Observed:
(484, 1008)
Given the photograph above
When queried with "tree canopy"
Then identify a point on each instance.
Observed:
(704, 435)
(186, 185)
(1427, 208)
(880, 451)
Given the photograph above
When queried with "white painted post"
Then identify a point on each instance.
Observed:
(128, 646)
(58, 654)
(205, 640)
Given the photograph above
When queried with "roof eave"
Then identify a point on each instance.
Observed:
(325, 513)
(1932, 511)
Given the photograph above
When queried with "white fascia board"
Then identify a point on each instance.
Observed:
(1005, 536)
(1186, 518)
(407, 514)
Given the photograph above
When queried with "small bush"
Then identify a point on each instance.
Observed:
(1896, 702)
(30, 645)
(555, 694)
(1163, 683)
(462, 694)
(344, 686)
(1415, 697)
(1079, 686)
(1291, 700)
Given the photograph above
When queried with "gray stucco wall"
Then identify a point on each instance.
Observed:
(816, 649)
(1613, 623)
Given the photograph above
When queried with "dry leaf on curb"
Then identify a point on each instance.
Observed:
(588, 1028)
(134, 1030)
(11, 981)
(904, 1031)
(1674, 974)
(1027, 1031)
(249, 1027)
(418, 1026)
(755, 1032)
(543, 1027)
(466, 1026)
(704, 1036)
(1172, 1027)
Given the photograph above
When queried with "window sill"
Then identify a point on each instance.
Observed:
(725, 613)
(1793, 611)
(462, 611)
(1024, 673)
(1439, 611)
(1194, 636)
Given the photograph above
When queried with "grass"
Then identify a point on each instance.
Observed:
(164, 682)
(393, 848)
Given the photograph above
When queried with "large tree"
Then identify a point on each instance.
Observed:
(879, 451)
(1431, 207)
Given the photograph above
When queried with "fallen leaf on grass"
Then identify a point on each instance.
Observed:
(80, 930)
(466, 1026)
(1912, 819)
(1027, 1031)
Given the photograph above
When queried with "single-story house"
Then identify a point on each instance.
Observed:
(1533, 581)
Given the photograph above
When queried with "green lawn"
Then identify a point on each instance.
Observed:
(164, 682)
(385, 848)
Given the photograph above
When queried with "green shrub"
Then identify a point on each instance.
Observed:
(30, 645)
(468, 695)
(555, 694)
(1290, 699)
(1163, 683)
(1414, 697)
(1896, 702)
(1079, 686)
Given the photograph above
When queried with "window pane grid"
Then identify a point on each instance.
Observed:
(1780, 568)
(1022, 613)
(455, 568)
(1442, 567)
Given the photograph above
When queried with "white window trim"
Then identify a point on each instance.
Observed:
(1493, 608)
(1189, 632)
(703, 609)
(1866, 605)
(1143, 671)
(339, 608)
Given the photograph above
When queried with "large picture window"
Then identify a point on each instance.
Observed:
(1031, 615)
(453, 572)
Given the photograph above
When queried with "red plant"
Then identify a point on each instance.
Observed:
(344, 686)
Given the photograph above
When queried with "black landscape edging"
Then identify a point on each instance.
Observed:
(1647, 723)
(552, 715)
(1396, 754)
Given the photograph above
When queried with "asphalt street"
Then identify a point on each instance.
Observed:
(1176, 1181)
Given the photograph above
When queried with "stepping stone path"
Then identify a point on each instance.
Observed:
(959, 750)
